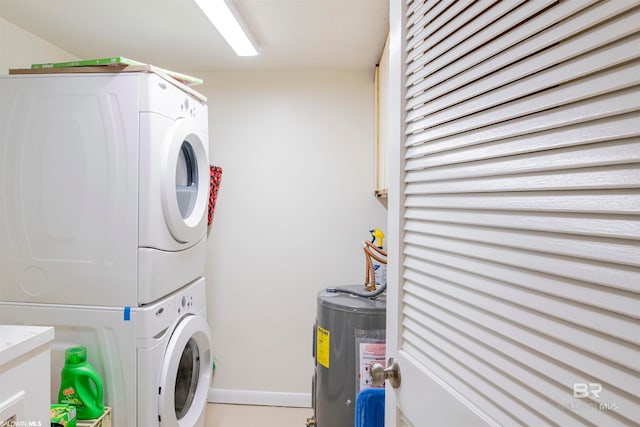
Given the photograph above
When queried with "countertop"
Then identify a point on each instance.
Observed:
(16, 340)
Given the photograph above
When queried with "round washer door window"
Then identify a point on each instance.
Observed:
(186, 372)
(185, 191)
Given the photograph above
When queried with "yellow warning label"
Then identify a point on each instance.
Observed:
(323, 346)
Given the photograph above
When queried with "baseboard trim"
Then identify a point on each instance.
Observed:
(260, 398)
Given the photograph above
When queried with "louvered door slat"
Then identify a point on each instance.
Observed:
(613, 177)
(460, 377)
(548, 375)
(499, 280)
(479, 17)
(555, 288)
(420, 65)
(419, 8)
(486, 43)
(617, 103)
(540, 34)
(618, 128)
(613, 226)
(618, 78)
(609, 349)
(490, 379)
(455, 17)
(601, 273)
(606, 202)
(591, 321)
(514, 82)
(617, 152)
(584, 364)
(589, 249)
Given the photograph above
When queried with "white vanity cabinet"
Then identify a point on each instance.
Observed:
(25, 375)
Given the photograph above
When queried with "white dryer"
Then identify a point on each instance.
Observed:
(155, 361)
(104, 184)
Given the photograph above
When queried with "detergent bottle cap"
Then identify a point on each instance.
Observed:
(75, 355)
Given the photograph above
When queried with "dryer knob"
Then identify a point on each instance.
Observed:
(184, 301)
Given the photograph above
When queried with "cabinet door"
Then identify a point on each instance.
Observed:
(382, 120)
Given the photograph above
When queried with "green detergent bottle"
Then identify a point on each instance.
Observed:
(80, 385)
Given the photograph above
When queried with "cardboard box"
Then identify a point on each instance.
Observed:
(63, 415)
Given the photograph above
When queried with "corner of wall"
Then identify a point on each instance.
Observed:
(26, 48)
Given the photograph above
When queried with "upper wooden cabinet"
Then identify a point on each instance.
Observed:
(382, 124)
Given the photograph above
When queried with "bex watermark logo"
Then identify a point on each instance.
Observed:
(585, 390)
(591, 392)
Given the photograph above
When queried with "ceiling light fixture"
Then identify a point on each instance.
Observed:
(225, 17)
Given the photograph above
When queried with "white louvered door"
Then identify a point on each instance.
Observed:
(514, 190)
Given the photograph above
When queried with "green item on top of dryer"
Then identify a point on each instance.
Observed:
(117, 60)
(81, 385)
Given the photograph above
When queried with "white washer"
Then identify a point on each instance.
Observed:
(155, 361)
(104, 187)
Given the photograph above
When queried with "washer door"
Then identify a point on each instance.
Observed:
(185, 189)
(185, 374)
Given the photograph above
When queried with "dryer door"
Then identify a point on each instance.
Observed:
(185, 189)
(185, 374)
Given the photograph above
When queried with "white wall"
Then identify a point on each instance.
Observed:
(295, 203)
(20, 49)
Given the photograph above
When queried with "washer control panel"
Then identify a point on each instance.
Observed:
(162, 314)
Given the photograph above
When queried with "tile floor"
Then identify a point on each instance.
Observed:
(219, 415)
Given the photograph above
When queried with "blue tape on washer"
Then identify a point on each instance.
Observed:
(127, 313)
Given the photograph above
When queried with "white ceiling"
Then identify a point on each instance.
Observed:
(174, 34)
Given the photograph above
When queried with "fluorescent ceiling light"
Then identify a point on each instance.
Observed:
(228, 22)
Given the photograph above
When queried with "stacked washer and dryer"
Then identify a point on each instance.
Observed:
(104, 188)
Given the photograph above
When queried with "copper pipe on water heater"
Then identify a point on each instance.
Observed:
(372, 251)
